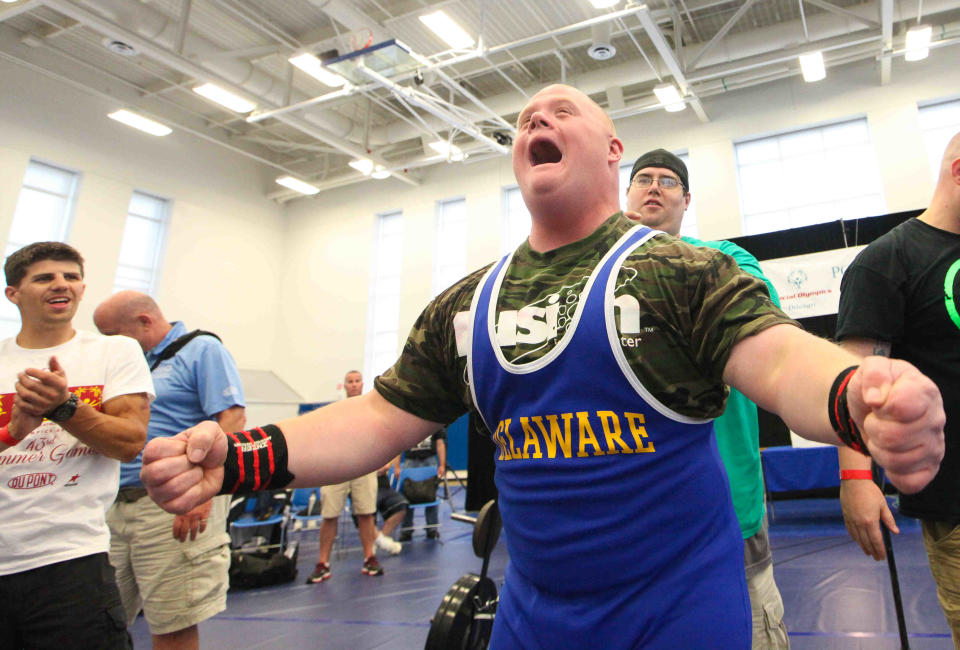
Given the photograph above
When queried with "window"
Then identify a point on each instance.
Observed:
(141, 250)
(938, 123)
(43, 213)
(450, 244)
(688, 226)
(515, 226)
(383, 315)
(808, 177)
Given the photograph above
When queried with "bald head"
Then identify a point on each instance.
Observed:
(132, 314)
(944, 209)
(588, 103)
(353, 383)
(950, 156)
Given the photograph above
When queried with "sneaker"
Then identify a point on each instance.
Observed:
(405, 536)
(320, 573)
(433, 533)
(388, 544)
(371, 567)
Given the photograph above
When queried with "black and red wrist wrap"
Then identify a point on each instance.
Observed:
(839, 412)
(256, 460)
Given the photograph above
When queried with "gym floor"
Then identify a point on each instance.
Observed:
(834, 596)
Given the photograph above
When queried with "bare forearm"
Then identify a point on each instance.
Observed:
(114, 436)
(442, 453)
(233, 419)
(789, 372)
(349, 438)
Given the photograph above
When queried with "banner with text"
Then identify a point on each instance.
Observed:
(809, 285)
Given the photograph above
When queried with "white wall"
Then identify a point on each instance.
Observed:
(328, 247)
(223, 261)
(328, 264)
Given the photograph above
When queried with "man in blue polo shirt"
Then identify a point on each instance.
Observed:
(173, 567)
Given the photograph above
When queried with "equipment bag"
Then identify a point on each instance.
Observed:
(423, 491)
(262, 569)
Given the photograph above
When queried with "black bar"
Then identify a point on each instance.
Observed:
(891, 565)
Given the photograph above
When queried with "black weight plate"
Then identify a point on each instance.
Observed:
(454, 625)
(486, 531)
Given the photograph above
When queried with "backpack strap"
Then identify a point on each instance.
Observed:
(171, 350)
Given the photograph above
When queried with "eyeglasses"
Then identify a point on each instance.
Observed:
(666, 182)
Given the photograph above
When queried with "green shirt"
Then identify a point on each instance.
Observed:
(738, 430)
(680, 310)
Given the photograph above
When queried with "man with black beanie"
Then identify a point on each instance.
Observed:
(658, 196)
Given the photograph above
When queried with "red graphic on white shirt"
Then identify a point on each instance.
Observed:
(92, 395)
(30, 481)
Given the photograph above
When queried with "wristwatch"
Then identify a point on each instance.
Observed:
(65, 411)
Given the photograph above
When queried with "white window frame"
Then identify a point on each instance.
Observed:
(60, 231)
(153, 266)
(513, 223)
(383, 311)
(939, 122)
(833, 151)
(449, 243)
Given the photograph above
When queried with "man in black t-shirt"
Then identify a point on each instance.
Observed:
(898, 299)
(428, 452)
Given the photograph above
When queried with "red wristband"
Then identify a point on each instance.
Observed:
(6, 438)
(846, 474)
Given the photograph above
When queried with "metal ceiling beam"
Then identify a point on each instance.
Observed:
(663, 48)
(583, 24)
(434, 108)
(840, 11)
(287, 144)
(723, 32)
(118, 98)
(11, 11)
(693, 25)
(249, 15)
(787, 55)
(159, 53)
(352, 18)
(184, 24)
(886, 31)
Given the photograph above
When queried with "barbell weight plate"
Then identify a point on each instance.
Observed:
(454, 625)
(486, 531)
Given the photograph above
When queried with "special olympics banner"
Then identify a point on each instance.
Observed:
(809, 285)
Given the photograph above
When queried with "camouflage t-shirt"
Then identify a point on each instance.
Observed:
(679, 311)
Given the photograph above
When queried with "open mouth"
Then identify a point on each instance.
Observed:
(656, 203)
(543, 152)
(61, 300)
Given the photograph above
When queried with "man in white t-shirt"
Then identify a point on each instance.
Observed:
(73, 404)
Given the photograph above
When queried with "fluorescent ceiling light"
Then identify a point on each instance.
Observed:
(314, 67)
(918, 42)
(670, 97)
(225, 98)
(603, 4)
(362, 165)
(380, 172)
(451, 33)
(297, 185)
(140, 122)
(447, 150)
(811, 65)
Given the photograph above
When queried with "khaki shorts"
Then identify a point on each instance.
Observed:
(177, 584)
(362, 491)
